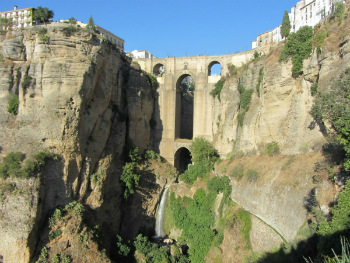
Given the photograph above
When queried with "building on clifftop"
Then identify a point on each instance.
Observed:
(304, 13)
(19, 18)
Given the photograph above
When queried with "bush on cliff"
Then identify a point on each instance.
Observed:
(130, 175)
(298, 47)
(203, 156)
(334, 107)
(11, 165)
(13, 104)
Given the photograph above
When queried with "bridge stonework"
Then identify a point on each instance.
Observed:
(166, 140)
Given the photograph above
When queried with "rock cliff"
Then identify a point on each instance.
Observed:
(80, 98)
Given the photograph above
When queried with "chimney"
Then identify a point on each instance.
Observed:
(15, 7)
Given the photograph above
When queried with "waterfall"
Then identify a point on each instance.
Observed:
(160, 215)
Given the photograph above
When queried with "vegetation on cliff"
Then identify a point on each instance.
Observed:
(334, 107)
(203, 158)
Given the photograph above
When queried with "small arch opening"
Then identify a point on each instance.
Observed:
(182, 159)
(214, 68)
(159, 70)
(185, 87)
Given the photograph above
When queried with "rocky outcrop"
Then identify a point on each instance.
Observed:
(79, 98)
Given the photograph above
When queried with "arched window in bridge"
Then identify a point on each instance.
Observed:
(182, 159)
(184, 107)
(214, 69)
(158, 70)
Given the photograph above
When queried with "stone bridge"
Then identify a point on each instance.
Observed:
(181, 116)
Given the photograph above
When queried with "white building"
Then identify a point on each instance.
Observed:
(304, 13)
(21, 18)
(141, 54)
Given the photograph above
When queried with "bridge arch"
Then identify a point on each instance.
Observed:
(159, 70)
(214, 68)
(182, 159)
(185, 87)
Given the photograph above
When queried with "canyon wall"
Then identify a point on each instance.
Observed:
(80, 99)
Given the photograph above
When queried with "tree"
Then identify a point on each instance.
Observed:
(285, 29)
(91, 25)
(42, 14)
(72, 20)
(5, 23)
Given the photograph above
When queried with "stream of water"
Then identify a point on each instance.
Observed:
(160, 215)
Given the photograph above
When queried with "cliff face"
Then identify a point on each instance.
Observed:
(279, 113)
(79, 98)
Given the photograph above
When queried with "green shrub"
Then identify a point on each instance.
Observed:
(298, 47)
(152, 155)
(152, 80)
(318, 39)
(272, 148)
(193, 172)
(260, 79)
(26, 81)
(44, 254)
(240, 118)
(256, 54)
(314, 88)
(246, 98)
(55, 233)
(246, 225)
(218, 87)
(130, 175)
(333, 107)
(203, 152)
(57, 216)
(196, 218)
(252, 175)
(123, 249)
(42, 31)
(10, 165)
(34, 164)
(70, 30)
(13, 104)
(83, 240)
(96, 177)
(78, 208)
(45, 39)
(330, 231)
(142, 244)
(65, 258)
(339, 11)
(237, 172)
(232, 70)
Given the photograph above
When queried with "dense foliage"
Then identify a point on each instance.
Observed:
(196, 217)
(203, 157)
(42, 14)
(298, 47)
(155, 253)
(130, 175)
(13, 104)
(11, 165)
(285, 28)
(218, 87)
(245, 99)
(339, 225)
(334, 107)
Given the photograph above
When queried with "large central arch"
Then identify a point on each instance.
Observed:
(184, 107)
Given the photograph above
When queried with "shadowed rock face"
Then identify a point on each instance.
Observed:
(79, 98)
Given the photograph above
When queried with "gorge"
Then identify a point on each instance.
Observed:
(99, 136)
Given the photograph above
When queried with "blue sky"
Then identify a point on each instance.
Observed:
(173, 27)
